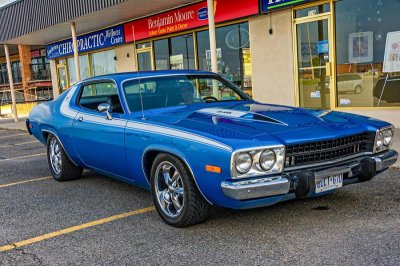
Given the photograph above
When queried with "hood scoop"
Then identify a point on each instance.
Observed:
(241, 115)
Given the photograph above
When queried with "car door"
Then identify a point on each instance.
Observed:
(100, 141)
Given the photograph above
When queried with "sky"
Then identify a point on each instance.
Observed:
(5, 2)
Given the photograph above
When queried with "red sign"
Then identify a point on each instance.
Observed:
(189, 17)
(41, 84)
(35, 53)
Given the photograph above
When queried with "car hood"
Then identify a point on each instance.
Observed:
(237, 123)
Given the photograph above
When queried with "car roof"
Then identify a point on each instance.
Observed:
(146, 74)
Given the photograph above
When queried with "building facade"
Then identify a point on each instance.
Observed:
(332, 54)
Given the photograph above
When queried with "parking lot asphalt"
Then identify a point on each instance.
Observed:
(99, 221)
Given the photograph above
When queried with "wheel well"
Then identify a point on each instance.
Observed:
(149, 158)
(45, 135)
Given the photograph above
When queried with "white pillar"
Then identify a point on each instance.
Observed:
(213, 45)
(54, 78)
(11, 83)
(213, 42)
(76, 54)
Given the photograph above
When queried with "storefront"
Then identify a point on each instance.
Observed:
(97, 55)
(176, 39)
(179, 39)
(346, 55)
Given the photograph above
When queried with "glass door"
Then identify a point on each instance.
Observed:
(314, 61)
(62, 78)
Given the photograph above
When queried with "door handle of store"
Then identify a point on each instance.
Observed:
(328, 69)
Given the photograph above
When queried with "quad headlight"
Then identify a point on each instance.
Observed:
(258, 161)
(243, 162)
(383, 139)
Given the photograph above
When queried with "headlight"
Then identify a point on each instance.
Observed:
(387, 137)
(243, 162)
(379, 141)
(257, 161)
(267, 159)
(383, 139)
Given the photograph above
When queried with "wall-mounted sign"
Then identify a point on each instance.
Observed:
(391, 62)
(323, 47)
(35, 53)
(271, 5)
(88, 42)
(361, 47)
(189, 17)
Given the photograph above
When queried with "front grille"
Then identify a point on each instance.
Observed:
(327, 150)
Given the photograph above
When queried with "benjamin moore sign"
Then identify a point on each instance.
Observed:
(270, 5)
(88, 42)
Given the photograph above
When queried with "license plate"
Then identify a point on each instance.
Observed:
(329, 183)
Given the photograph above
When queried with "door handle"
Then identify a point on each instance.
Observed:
(328, 69)
(80, 119)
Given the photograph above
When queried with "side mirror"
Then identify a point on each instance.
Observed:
(105, 108)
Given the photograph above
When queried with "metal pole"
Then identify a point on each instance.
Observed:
(213, 44)
(76, 54)
(11, 83)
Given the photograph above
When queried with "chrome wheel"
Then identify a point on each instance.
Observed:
(55, 156)
(169, 189)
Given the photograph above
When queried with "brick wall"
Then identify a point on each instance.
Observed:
(25, 61)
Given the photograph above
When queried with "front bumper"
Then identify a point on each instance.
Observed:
(302, 183)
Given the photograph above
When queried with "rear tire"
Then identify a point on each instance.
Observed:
(61, 167)
(175, 194)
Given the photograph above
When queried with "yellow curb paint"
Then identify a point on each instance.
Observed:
(23, 157)
(18, 144)
(15, 135)
(75, 228)
(24, 182)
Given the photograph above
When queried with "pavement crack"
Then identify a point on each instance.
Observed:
(25, 253)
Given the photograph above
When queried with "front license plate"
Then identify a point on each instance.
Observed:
(329, 183)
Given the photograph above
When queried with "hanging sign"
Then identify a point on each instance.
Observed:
(88, 42)
(188, 17)
(391, 61)
(270, 5)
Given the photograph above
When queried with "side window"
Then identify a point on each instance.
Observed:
(94, 94)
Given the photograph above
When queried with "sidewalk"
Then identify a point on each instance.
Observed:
(9, 124)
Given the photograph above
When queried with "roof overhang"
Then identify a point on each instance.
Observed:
(114, 15)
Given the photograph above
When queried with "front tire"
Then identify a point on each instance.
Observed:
(61, 167)
(175, 195)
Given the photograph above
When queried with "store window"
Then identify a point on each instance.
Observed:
(103, 63)
(233, 52)
(161, 54)
(84, 68)
(175, 53)
(40, 68)
(3, 74)
(363, 27)
(16, 72)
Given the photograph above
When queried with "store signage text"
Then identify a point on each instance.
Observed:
(188, 17)
(89, 42)
(269, 5)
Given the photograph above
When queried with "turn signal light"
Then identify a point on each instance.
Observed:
(213, 169)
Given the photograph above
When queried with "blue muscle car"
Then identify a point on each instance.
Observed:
(196, 140)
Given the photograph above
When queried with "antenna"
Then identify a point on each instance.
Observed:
(138, 77)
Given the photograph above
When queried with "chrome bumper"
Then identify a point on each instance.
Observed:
(364, 168)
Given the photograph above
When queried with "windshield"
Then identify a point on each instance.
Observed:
(159, 92)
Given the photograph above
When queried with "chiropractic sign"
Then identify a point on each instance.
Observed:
(88, 42)
(188, 17)
(270, 5)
